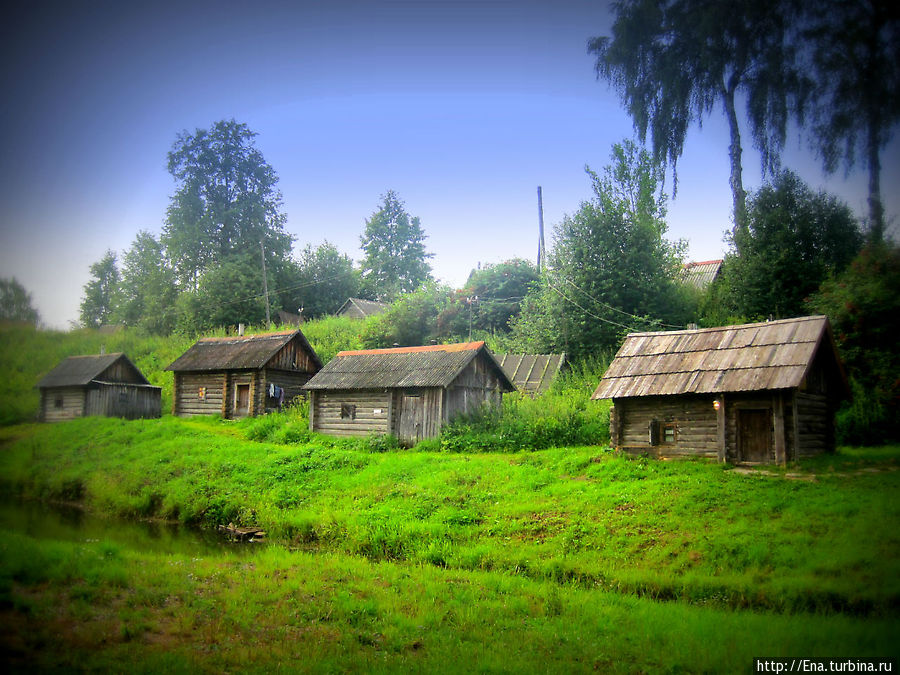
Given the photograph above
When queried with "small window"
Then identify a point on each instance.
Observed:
(58, 402)
(668, 432)
(348, 411)
(123, 397)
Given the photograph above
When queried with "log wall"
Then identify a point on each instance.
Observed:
(373, 411)
(186, 396)
(70, 400)
(693, 417)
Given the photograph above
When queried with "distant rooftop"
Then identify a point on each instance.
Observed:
(701, 274)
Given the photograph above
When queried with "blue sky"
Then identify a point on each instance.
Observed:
(463, 108)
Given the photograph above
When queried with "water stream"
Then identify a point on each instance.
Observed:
(68, 523)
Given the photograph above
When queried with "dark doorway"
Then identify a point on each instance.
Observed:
(755, 435)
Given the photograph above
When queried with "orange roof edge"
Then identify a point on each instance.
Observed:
(458, 347)
(705, 262)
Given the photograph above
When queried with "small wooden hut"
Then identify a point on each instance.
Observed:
(754, 393)
(532, 373)
(108, 385)
(409, 392)
(357, 308)
(241, 376)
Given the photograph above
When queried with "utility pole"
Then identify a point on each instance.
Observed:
(540, 256)
(265, 285)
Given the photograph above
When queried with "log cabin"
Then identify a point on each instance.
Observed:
(407, 392)
(357, 308)
(108, 385)
(242, 376)
(755, 393)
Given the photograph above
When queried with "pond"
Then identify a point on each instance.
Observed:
(70, 523)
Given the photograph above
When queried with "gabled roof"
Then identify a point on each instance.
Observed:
(701, 274)
(750, 357)
(429, 366)
(234, 353)
(532, 373)
(363, 308)
(77, 371)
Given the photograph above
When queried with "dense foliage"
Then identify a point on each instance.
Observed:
(863, 304)
(795, 240)
(611, 269)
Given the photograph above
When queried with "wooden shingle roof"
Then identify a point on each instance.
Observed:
(428, 366)
(750, 357)
(76, 371)
(531, 373)
(238, 353)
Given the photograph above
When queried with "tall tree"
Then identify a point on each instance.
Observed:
(147, 288)
(499, 290)
(612, 269)
(856, 58)
(794, 241)
(394, 245)
(101, 292)
(321, 281)
(227, 201)
(15, 302)
(673, 61)
(228, 294)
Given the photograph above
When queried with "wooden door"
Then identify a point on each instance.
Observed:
(755, 435)
(411, 410)
(242, 399)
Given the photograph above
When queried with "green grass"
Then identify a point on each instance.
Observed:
(95, 606)
(687, 530)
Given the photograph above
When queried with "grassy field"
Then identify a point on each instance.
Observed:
(489, 550)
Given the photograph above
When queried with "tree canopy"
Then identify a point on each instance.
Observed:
(321, 281)
(612, 270)
(101, 292)
(856, 63)
(794, 241)
(395, 259)
(227, 201)
(15, 302)
(673, 61)
(147, 287)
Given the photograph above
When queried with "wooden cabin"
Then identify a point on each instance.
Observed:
(755, 393)
(357, 308)
(242, 376)
(408, 392)
(532, 373)
(108, 385)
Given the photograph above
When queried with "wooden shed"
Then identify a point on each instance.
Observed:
(532, 373)
(754, 393)
(108, 385)
(357, 308)
(409, 392)
(240, 376)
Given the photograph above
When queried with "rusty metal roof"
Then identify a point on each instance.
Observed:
(531, 373)
(700, 274)
(77, 371)
(401, 367)
(750, 357)
(234, 353)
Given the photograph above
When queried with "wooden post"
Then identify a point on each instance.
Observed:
(795, 419)
(312, 410)
(720, 429)
(778, 409)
